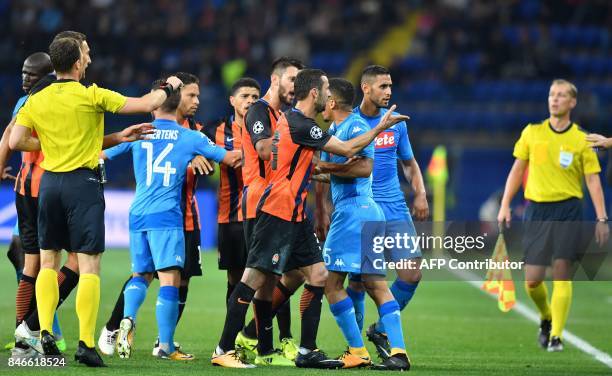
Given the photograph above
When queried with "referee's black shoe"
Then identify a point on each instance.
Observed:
(544, 333)
(397, 362)
(88, 356)
(380, 341)
(48, 344)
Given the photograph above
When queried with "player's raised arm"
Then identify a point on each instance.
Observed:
(152, 100)
(205, 147)
(353, 146)
(132, 133)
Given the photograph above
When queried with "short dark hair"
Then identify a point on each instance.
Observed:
(244, 82)
(172, 102)
(187, 78)
(372, 71)
(306, 80)
(282, 63)
(343, 92)
(71, 34)
(64, 52)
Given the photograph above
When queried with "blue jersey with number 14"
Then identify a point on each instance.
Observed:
(160, 164)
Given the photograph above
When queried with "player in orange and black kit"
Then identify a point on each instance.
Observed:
(283, 238)
(188, 106)
(227, 134)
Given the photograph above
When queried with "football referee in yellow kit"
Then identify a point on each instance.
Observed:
(68, 119)
(558, 157)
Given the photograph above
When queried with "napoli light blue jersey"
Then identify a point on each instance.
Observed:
(19, 104)
(342, 188)
(389, 146)
(160, 164)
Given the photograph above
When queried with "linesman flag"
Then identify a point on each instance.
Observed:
(499, 281)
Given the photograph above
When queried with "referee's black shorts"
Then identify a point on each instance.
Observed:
(553, 230)
(27, 219)
(231, 246)
(71, 211)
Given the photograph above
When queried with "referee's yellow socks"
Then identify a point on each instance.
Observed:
(539, 295)
(87, 303)
(560, 304)
(47, 297)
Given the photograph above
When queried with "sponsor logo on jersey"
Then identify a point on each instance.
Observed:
(385, 140)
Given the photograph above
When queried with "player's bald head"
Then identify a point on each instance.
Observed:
(39, 63)
(371, 72)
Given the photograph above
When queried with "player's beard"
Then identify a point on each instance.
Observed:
(320, 103)
(284, 96)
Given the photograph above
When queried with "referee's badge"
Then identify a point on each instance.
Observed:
(565, 158)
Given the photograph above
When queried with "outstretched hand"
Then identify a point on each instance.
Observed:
(389, 119)
(6, 175)
(599, 141)
(136, 132)
(201, 165)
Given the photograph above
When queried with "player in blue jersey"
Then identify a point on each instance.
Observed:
(390, 146)
(357, 220)
(156, 220)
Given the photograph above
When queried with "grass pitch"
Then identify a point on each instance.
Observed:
(451, 328)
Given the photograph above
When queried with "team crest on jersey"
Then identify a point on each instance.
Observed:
(275, 259)
(258, 127)
(316, 132)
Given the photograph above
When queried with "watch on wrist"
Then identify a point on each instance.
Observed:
(603, 220)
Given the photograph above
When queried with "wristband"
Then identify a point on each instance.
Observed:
(602, 220)
(167, 88)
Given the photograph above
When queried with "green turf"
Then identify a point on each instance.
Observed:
(451, 328)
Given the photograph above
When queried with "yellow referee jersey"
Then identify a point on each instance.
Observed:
(69, 121)
(557, 161)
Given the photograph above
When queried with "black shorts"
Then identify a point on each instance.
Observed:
(279, 246)
(231, 246)
(248, 227)
(27, 218)
(71, 211)
(193, 260)
(553, 230)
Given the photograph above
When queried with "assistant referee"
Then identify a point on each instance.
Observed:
(69, 121)
(558, 156)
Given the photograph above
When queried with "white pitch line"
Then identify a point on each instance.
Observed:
(532, 315)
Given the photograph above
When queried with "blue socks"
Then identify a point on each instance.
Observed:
(390, 317)
(167, 314)
(358, 299)
(344, 313)
(134, 294)
(403, 293)
(57, 330)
